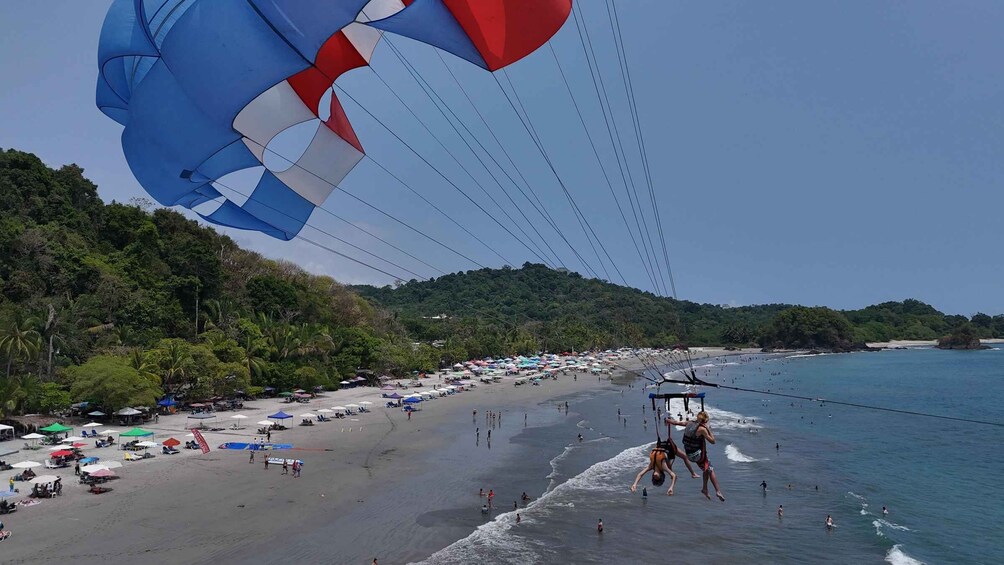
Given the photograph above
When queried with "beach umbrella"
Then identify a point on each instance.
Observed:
(91, 425)
(72, 439)
(263, 423)
(308, 415)
(61, 453)
(26, 465)
(111, 464)
(324, 410)
(78, 445)
(338, 408)
(352, 406)
(88, 460)
(365, 403)
(299, 390)
(137, 432)
(202, 416)
(42, 479)
(92, 468)
(33, 436)
(96, 414)
(57, 448)
(128, 412)
(167, 402)
(285, 394)
(171, 442)
(103, 472)
(55, 428)
(147, 444)
(238, 417)
(108, 432)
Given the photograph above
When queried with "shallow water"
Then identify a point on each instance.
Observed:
(936, 477)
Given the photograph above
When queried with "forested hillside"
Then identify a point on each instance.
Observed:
(116, 304)
(535, 307)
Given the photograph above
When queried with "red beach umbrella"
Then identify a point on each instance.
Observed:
(61, 453)
(171, 442)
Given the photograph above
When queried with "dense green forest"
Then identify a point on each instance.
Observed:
(489, 310)
(118, 304)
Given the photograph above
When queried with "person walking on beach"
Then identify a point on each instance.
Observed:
(409, 416)
(297, 469)
(268, 435)
(252, 457)
(266, 463)
(285, 467)
(11, 483)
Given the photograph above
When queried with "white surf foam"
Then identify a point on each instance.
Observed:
(897, 557)
(733, 454)
(494, 537)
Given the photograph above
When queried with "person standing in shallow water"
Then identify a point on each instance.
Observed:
(599, 526)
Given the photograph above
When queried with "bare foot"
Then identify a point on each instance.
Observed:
(719, 495)
(705, 493)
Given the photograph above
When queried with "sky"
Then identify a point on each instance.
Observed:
(819, 153)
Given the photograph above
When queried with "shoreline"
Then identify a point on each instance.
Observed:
(218, 507)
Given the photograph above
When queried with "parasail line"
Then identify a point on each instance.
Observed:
(338, 253)
(497, 141)
(403, 223)
(433, 96)
(579, 216)
(438, 172)
(592, 144)
(628, 179)
(640, 133)
(469, 174)
(532, 133)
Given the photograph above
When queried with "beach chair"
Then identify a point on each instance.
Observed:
(129, 456)
(50, 465)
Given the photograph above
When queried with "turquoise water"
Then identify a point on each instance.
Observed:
(937, 478)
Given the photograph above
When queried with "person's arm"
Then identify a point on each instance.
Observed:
(707, 433)
(634, 487)
(673, 422)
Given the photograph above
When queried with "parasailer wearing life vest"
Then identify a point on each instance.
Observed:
(696, 436)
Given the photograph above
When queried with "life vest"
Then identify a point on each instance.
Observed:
(693, 444)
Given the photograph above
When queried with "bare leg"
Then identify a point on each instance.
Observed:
(704, 490)
(686, 461)
(714, 481)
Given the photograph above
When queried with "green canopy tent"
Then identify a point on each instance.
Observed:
(136, 432)
(55, 428)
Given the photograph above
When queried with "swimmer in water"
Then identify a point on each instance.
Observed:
(763, 485)
(829, 522)
(885, 512)
(599, 527)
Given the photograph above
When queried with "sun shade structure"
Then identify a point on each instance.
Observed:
(171, 442)
(33, 436)
(280, 415)
(202, 416)
(137, 432)
(55, 428)
(128, 412)
(26, 465)
(96, 414)
(91, 425)
(203, 88)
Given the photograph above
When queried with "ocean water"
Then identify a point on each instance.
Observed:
(938, 478)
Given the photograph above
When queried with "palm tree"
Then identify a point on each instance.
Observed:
(175, 362)
(144, 366)
(19, 340)
(251, 359)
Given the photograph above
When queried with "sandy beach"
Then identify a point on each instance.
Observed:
(219, 508)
